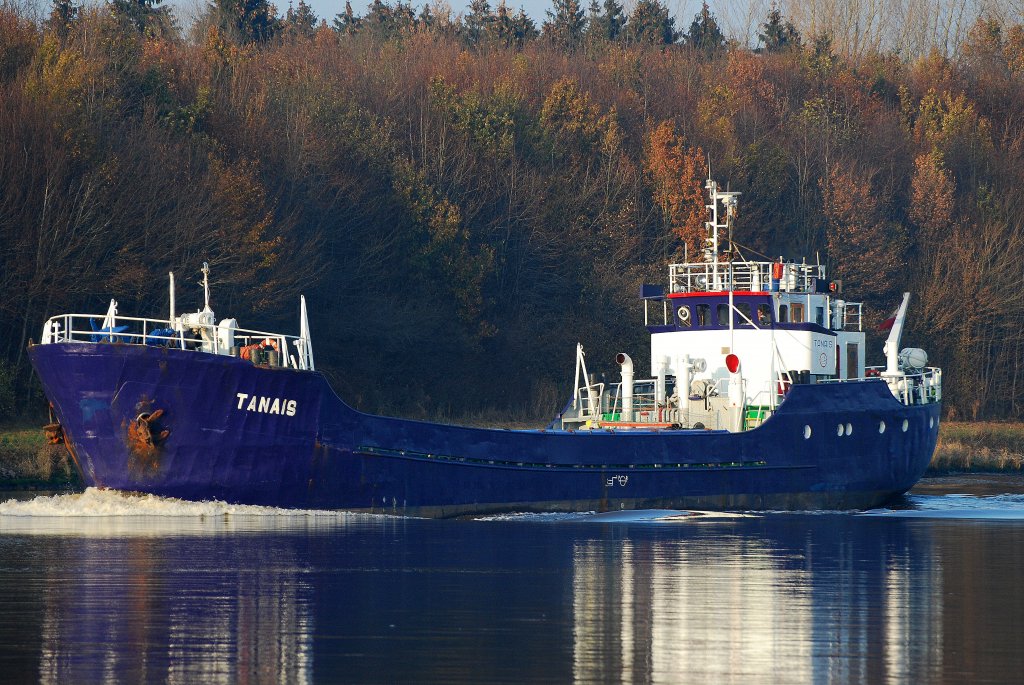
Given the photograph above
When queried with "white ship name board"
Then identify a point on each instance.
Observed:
(823, 354)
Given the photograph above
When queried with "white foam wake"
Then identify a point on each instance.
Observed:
(111, 512)
(97, 502)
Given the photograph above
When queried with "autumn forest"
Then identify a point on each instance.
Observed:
(463, 194)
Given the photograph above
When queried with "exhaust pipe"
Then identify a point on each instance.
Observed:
(623, 360)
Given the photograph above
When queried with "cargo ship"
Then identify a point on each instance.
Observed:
(758, 398)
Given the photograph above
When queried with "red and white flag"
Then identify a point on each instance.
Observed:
(890, 321)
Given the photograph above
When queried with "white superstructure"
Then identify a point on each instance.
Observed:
(730, 336)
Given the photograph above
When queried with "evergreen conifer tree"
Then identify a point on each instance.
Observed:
(565, 25)
(348, 22)
(249, 21)
(778, 35)
(651, 23)
(612, 20)
(404, 17)
(301, 20)
(704, 34)
(145, 15)
(426, 18)
(523, 29)
(62, 16)
(477, 23)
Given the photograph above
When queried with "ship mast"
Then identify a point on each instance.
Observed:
(711, 242)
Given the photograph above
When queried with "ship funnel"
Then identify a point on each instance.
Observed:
(623, 360)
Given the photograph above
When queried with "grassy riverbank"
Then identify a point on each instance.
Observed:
(27, 461)
(979, 446)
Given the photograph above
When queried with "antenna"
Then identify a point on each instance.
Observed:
(171, 275)
(206, 284)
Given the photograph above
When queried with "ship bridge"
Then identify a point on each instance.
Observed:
(730, 336)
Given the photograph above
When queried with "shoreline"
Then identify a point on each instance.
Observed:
(978, 447)
(27, 462)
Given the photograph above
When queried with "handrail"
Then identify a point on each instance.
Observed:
(921, 387)
(79, 328)
(741, 276)
(853, 315)
(586, 408)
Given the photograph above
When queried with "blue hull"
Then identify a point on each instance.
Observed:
(254, 435)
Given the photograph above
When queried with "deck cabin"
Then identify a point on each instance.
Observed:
(792, 329)
(730, 336)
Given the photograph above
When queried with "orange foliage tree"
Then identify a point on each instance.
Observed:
(676, 173)
(866, 249)
(499, 198)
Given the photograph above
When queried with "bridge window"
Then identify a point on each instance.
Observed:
(819, 316)
(764, 315)
(783, 313)
(797, 312)
(743, 314)
(703, 315)
(722, 314)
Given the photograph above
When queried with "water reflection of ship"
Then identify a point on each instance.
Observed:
(840, 603)
(136, 613)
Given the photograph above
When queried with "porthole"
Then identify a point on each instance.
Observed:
(807, 432)
(849, 429)
(840, 429)
(684, 314)
(881, 427)
(906, 425)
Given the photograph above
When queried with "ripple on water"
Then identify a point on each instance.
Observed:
(957, 506)
(630, 516)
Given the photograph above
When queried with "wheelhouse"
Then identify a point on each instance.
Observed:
(730, 336)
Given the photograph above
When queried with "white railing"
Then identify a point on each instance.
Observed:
(922, 386)
(593, 409)
(293, 351)
(853, 316)
(642, 401)
(742, 276)
(587, 408)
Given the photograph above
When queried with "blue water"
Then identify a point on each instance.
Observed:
(103, 587)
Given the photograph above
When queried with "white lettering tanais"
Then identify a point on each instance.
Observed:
(266, 405)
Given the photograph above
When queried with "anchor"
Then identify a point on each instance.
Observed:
(141, 431)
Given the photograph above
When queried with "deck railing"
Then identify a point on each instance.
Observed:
(742, 276)
(853, 316)
(293, 351)
(922, 386)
